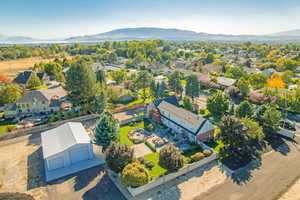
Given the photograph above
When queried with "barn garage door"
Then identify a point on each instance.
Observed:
(55, 163)
(79, 154)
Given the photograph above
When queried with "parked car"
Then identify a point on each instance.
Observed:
(287, 124)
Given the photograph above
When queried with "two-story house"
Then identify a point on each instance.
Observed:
(46, 100)
(180, 120)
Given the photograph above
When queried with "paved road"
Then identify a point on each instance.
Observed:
(277, 172)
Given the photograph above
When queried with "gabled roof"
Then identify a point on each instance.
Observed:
(63, 137)
(185, 118)
(45, 94)
(172, 100)
(23, 77)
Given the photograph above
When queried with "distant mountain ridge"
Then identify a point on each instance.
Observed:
(148, 33)
(170, 34)
(295, 32)
(4, 38)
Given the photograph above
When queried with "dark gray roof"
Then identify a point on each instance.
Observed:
(23, 77)
(63, 137)
(185, 118)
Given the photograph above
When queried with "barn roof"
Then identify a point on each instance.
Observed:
(63, 137)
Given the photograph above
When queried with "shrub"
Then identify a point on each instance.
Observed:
(148, 164)
(207, 152)
(15, 196)
(150, 146)
(170, 158)
(118, 156)
(135, 175)
(197, 156)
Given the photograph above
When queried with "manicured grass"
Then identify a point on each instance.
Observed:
(124, 130)
(217, 145)
(4, 128)
(39, 87)
(204, 113)
(157, 171)
(131, 103)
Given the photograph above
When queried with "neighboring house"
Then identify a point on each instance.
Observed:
(181, 121)
(251, 70)
(46, 100)
(67, 149)
(24, 76)
(225, 82)
(269, 71)
(212, 68)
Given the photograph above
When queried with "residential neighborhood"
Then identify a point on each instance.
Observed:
(150, 113)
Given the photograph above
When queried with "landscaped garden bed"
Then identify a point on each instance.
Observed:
(125, 130)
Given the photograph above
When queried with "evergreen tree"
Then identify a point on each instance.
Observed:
(81, 84)
(34, 81)
(187, 104)
(243, 86)
(218, 104)
(106, 130)
(162, 89)
(244, 110)
(192, 88)
(174, 82)
(101, 102)
(270, 120)
(100, 76)
(143, 81)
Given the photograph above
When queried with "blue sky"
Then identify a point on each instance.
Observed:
(65, 18)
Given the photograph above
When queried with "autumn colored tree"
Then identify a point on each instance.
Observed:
(275, 81)
(4, 79)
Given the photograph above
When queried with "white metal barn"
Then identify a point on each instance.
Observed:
(67, 149)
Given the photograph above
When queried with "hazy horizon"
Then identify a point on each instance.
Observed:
(66, 18)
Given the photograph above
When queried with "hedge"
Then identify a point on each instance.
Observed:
(150, 146)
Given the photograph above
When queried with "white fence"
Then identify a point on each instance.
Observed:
(166, 178)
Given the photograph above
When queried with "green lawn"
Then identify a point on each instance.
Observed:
(131, 103)
(217, 145)
(39, 87)
(4, 127)
(124, 130)
(157, 171)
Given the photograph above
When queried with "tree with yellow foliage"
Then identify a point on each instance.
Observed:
(275, 81)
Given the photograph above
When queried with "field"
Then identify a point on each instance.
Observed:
(10, 68)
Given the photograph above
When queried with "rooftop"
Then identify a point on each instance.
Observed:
(185, 116)
(63, 137)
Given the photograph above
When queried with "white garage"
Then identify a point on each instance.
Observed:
(67, 149)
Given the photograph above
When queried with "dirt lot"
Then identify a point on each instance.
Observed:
(21, 170)
(11, 67)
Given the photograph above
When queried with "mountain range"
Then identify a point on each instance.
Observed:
(148, 33)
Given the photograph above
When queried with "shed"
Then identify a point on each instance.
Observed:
(67, 149)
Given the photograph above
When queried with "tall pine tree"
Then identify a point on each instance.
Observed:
(106, 130)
